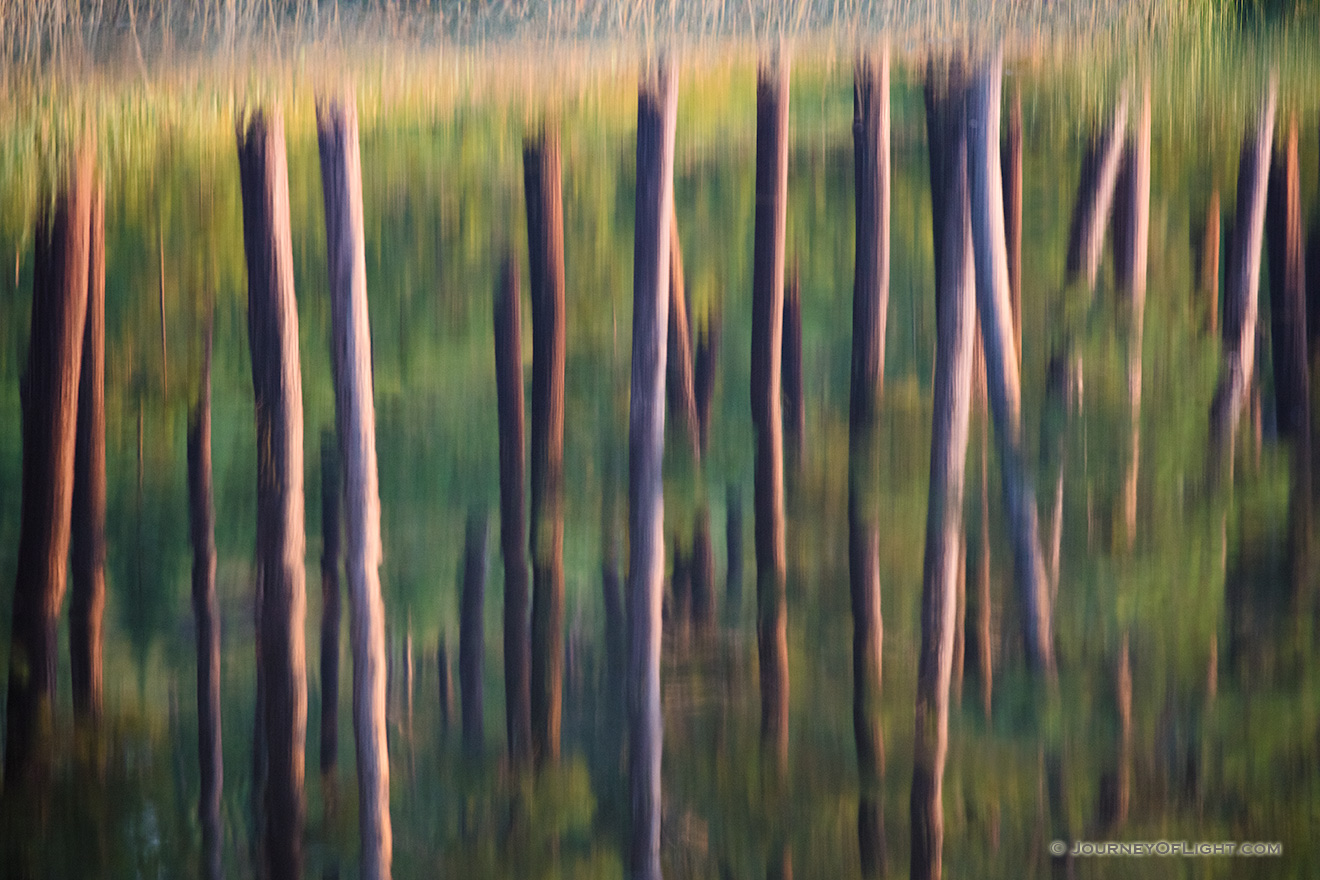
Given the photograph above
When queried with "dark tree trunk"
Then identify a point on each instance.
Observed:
(1288, 289)
(702, 573)
(1209, 279)
(767, 350)
(954, 283)
(870, 311)
(1011, 162)
(545, 232)
(708, 344)
(681, 587)
(791, 363)
(733, 546)
(210, 758)
(331, 486)
(513, 513)
(355, 416)
(87, 597)
(277, 386)
(657, 109)
(472, 632)
(1095, 199)
(680, 383)
(49, 399)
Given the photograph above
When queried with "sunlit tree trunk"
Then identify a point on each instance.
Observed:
(1288, 334)
(277, 386)
(210, 757)
(767, 350)
(545, 232)
(1240, 298)
(331, 491)
(472, 633)
(657, 111)
(1011, 162)
(355, 417)
(955, 324)
(791, 363)
(1002, 379)
(1095, 199)
(87, 597)
(680, 383)
(870, 311)
(49, 399)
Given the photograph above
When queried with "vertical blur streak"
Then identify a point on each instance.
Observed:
(1288, 330)
(201, 511)
(1003, 382)
(277, 387)
(49, 400)
(733, 554)
(331, 492)
(794, 414)
(870, 310)
(1011, 163)
(767, 349)
(680, 382)
(87, 596)
(355, 416)
(545, 235)
(1131, 249)
(1209, 278)
(513, 512)
(657, 112)
(472, 633)
(1095, 199)
(1240, 297)
(956, 314)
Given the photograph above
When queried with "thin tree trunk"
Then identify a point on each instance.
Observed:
(791, 363)
(545, 232)
(708, 343)
(1288, 289)
(767, 350)
(1123, 689)
(472, 632)
(513, 513)
(956, 312)
(657, 110)
(355, 416)
(210, 757)
(870, 313)
(1095, 199)
(277, 386)
(1210, 265)
(680, 584)
(87, 597)
(1240, 299)
(331, 491)
(1002, 380)
(49, 398)
(1012, 173)
(680, 383)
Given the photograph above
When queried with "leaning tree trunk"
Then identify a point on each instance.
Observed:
(355, 416)
(1002, 378)
(87, 597)
(955, 324)
(472, 632)
(1240, 299)
(657, 111)
(1095, 199)
(210, 757)
(680, 381)
(49, 396)
(545, 233)
(1288, 331)
(513, 513)
(870, 312)
(331, 492)
(767, 350)
(277, 386)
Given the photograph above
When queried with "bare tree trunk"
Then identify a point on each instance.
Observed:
(472, 633)
(331, 491)
(1002, 380)
(1095, 199)
(791, 363)
(953, 372)
(657, 111)
(680, 383)
(1288, 289)
(49, 397)
(767, 350)
(545, 232)
(210, 757)
(1210, 265)
(277, 386)
(870, 313)
(87, 597)
(355, 416)
(513, 513)
(1240, 299)
(680, 584)
(1011, 162)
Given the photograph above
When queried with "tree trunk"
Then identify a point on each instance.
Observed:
(791, 362)
(657, 110)
(513, 513)
(767, 350)
(1095, 199)
(703, 572)
(331, 490)
(680, 383)
(277, 386)
(1288, 289)
(708, 343)
(870, 313)
(87, 598)
(210, 757)
(1011, 162)
(956, 311)
(1210, 265)
(472, 632)
(1240, 298)
(49, 399)
(355, 416)
(545, 232)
